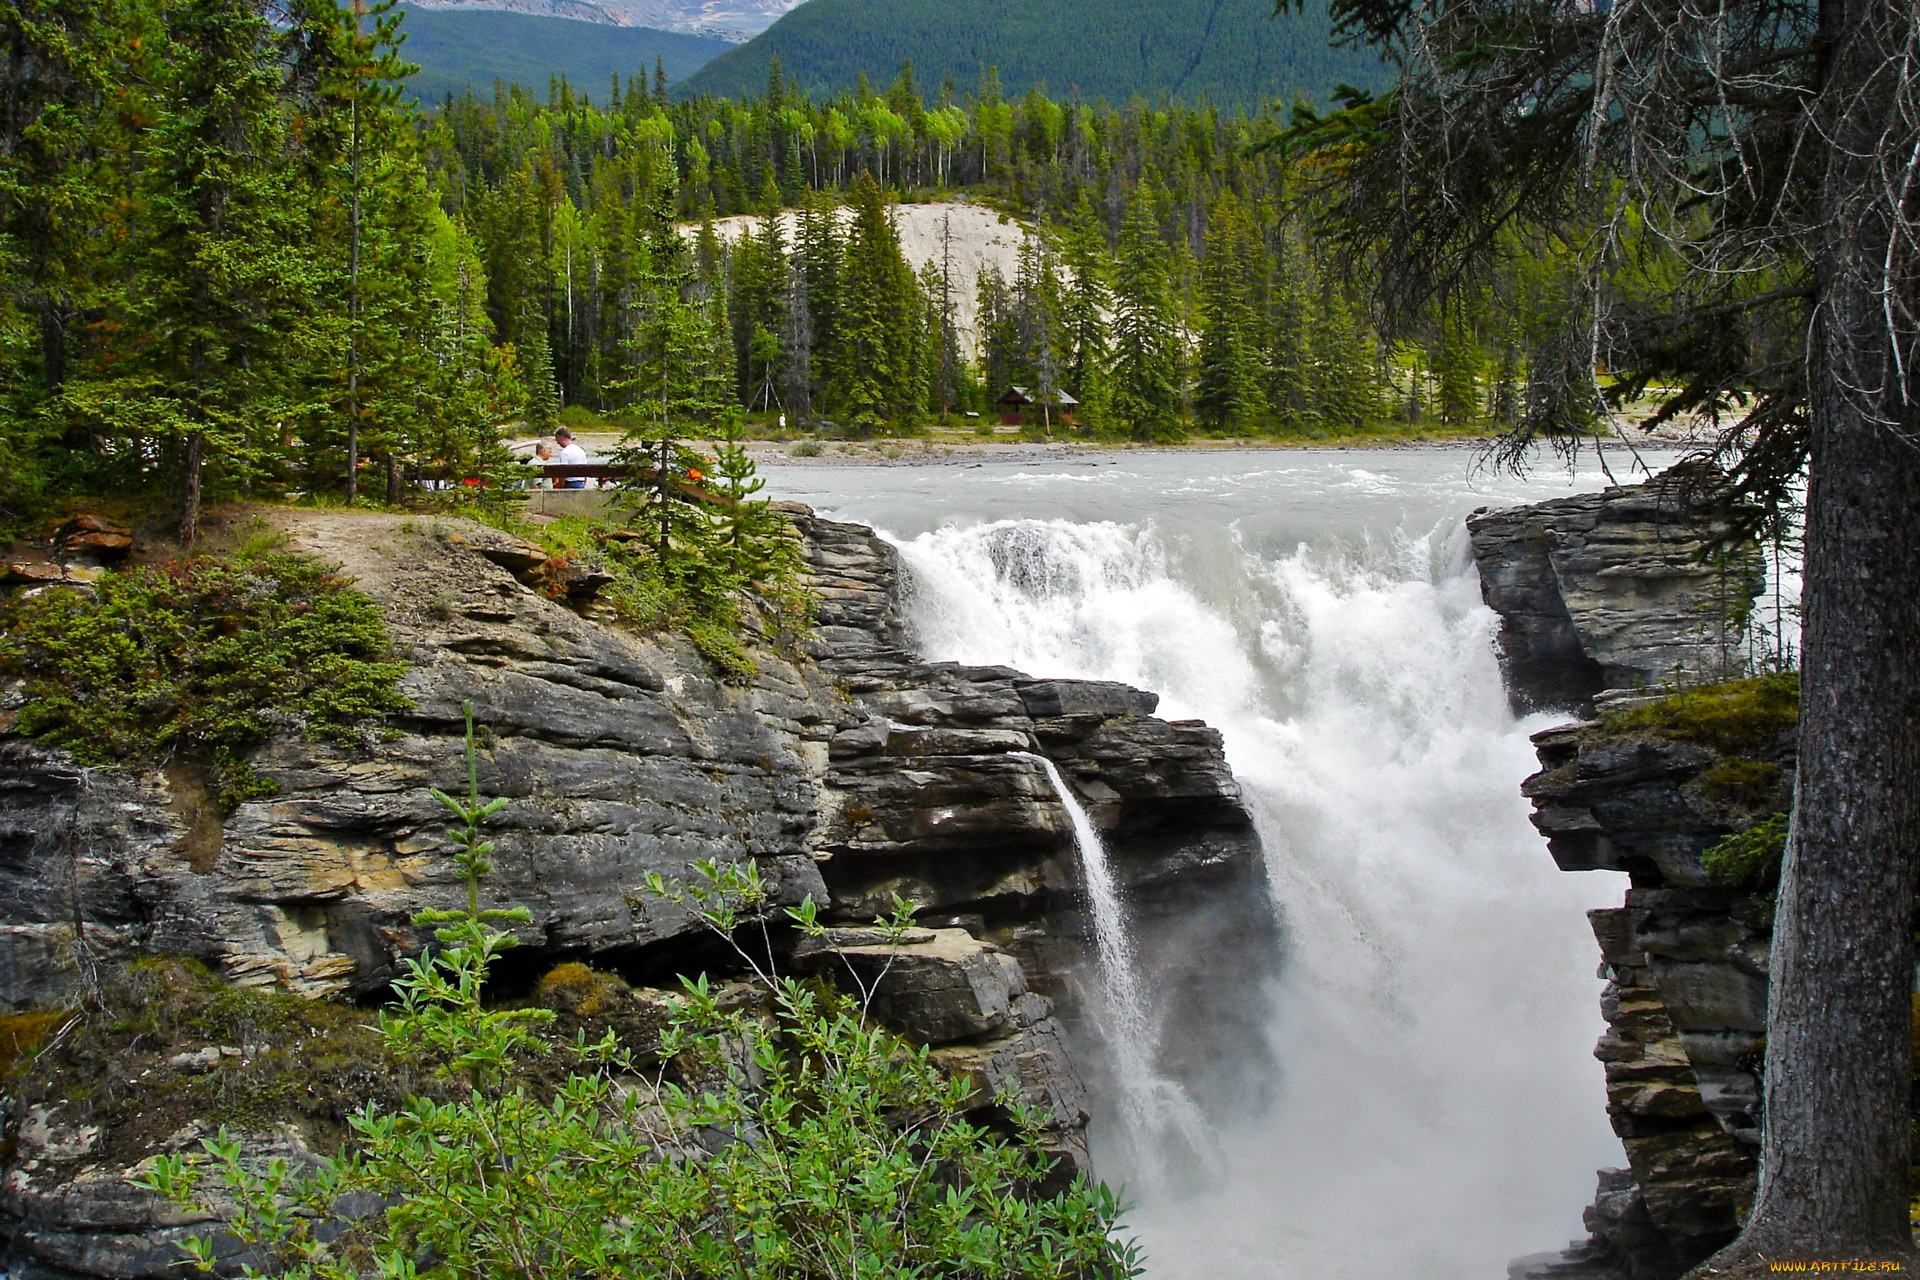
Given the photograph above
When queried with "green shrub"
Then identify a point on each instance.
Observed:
(1737, 780)
(807, 449)
(123, 1058)
(692, 566)
(203, 659)
(1737, 718)
(579, 418)
(804, 1143)
(1748, 857)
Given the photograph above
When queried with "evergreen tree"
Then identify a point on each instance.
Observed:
(1230, 395)
(219, 276)
(1147, 357)
(877, 382)
(1084, 309)
(357, 147)
(1456, 372)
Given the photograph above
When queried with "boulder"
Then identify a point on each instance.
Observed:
(931, 986)
(93, 539)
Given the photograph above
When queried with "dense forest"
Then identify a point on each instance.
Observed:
(239, 260)
(462, 49)
(1229, 52)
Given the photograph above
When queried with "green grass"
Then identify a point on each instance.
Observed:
(1231, 52)
(460, 49)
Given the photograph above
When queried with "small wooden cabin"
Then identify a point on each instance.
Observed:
(1015, 406)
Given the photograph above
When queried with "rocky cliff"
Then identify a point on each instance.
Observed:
(850, 772)
(1632, 587)
(1601, 596)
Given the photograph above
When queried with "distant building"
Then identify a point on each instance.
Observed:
(1017, 406)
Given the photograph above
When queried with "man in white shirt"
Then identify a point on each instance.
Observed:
(569, 454)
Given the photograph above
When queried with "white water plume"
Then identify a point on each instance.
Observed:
(1164, 1132)
(1438, 1111)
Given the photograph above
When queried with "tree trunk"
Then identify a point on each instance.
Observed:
(190, 457)
(53, 346)
(1834, 1164)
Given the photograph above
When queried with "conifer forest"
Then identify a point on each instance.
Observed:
(239, 260)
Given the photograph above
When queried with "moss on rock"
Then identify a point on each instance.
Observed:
(1738, 718)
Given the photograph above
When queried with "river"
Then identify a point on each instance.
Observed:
(1437, 1109)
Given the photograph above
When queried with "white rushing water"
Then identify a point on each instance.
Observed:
(1165, 1134)
(1437, 1110)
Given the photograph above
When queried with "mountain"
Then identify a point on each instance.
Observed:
(471, 48)
(1231, 52)
(730, 20)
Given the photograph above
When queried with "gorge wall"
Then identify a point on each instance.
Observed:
(850, 772)
(1604, 598)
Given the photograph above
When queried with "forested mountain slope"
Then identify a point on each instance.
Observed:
(1225, 51)
(734, 21)
(457, 49)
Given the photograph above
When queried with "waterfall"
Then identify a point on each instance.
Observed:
(1165, 1133)
(1436, 1109)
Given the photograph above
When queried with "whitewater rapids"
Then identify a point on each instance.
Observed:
(1437, 1110)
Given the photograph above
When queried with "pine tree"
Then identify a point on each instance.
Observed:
(877, 383)
(1084, 310)
(56, 83)
(218, 270)
(1147, 356)
(1230, 395)
(357, 143)
(818, 269)
(1456, 370)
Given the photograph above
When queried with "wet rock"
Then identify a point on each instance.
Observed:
(848, 774)
(1601, 595)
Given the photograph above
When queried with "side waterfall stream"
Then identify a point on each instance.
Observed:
(1164, 1132)
(1435, 1109)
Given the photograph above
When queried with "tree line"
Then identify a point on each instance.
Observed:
(1174, 279)
(238, 260)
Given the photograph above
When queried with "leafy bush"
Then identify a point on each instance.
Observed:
(200, 658)
(1748, 857)
(809, 1144)
(806, 449)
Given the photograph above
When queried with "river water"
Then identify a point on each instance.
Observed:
(1437, 1109)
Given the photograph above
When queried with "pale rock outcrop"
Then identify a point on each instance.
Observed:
(1632, 587)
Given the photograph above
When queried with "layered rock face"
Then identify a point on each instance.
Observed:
(1600, 596)
(852, 772)
(1685, 1002)
(1615, 590)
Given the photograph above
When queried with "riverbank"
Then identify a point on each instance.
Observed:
(953, 449)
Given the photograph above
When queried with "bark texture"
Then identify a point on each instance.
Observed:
(1834, 1164)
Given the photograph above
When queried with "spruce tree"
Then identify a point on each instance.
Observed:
(877, 383)
(218, 270)
(1086, 256)
(1230, 391)
(1147, 348)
